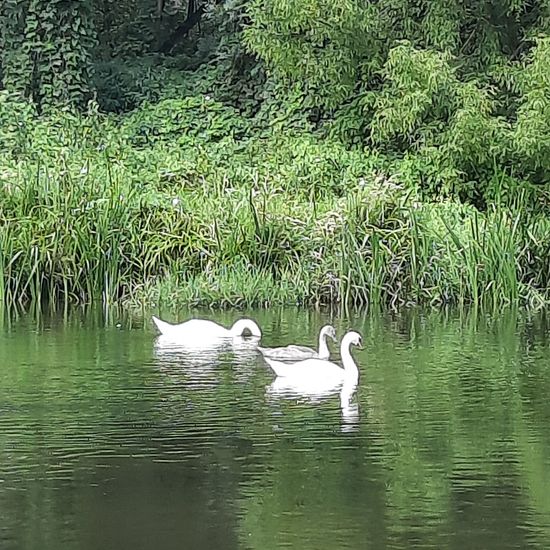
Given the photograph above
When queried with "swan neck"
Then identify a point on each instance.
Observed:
(323, 347)
(348, 362)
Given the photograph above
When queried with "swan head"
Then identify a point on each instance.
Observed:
(329, 331)
(245, 327)
(352, 338)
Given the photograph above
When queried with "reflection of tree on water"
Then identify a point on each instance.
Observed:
(86, 450)
(451, 450)
(449, 455)
(319, 490)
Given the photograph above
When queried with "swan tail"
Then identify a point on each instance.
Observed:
(280, 369)
(266, 352)
(162, 326)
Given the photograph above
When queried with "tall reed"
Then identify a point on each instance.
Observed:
(91, 213)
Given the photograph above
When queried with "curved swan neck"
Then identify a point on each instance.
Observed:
(245, 324)
(323, 347)
(348, 362)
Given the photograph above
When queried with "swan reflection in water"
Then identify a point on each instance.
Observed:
(201, 361)
(316, 391)
(350, 411)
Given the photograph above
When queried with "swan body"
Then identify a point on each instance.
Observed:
(196, 331)
(299, 353)
(316, 370)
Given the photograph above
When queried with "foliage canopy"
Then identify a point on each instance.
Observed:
(448, 99)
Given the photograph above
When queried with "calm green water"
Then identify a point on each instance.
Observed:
(109, 442)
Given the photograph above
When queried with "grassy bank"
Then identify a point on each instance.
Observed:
(179, 203)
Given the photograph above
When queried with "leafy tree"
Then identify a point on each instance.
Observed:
(47, 48)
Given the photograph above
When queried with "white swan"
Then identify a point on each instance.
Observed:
(298, 353)
(196, 331)
(319, 370)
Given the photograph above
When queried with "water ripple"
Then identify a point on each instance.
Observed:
(444, 443)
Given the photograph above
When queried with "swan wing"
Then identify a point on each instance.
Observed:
(311, 369)
(193, 331)
(289, 353)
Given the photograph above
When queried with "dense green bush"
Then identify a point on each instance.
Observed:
(457, 93)
(46, 50)
(90, 210)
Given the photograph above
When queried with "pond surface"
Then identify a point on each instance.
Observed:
(110, 441)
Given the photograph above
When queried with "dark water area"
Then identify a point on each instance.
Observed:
(109, 440)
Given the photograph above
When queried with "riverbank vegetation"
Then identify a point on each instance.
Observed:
(283, 152)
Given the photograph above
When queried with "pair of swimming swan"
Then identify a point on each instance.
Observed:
(307, 363)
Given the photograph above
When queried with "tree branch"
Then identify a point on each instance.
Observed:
(182, 31)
